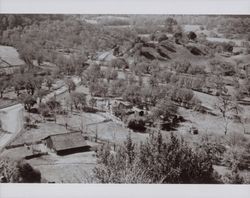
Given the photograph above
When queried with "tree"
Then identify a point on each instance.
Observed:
(184, 96)
(49, 82)
(181, 66)
(30, 86)
(129, 149)
(117, 87)
(233, 177)
(99, 88)
(93, 72)
(18, 172)
(225, 107)
(233, 156)
(111, 74)
(153, 81)
(132, 94)
(151, 94)
(92, 102)
(28, 173)
(4, 84)
(119, 63)
(164, 110)
(70, 85)
(136, 123)
(178, 36)
(169, 24)
(18, 83)
(54, 106)
(26, 53)
(196, 69)
(78, 99)
(28, 101)
(191, 35)
(165, 76)
(40, 94)
(32, 83)
(44, 110)
(162, 37)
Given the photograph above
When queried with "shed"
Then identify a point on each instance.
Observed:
(122, 104)
(67, 143)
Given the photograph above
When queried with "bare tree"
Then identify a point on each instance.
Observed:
(226, 107)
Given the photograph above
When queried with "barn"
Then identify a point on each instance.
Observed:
(67, 143)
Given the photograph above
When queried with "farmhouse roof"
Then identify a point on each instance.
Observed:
(9, 56)
(66, 141)
(125, 103)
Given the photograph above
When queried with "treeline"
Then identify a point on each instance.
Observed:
(171, 159)
(160, 160)
(51, 36)
(10, 21)
(133, 89)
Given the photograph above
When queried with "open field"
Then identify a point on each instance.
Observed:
(209, 123)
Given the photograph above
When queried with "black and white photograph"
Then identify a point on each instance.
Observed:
(120, 98)
(125, 98)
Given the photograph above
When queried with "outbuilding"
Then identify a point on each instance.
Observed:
(12, 118)
(67, 143)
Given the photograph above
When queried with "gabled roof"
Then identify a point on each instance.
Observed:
(66, 141)
(9, 57)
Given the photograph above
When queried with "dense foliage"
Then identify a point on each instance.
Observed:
(155, 161)
(18, 172)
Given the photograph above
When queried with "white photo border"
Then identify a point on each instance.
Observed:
(126, 6)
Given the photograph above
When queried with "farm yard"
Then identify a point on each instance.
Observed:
(125, 98)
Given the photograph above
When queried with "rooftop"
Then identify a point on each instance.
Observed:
(66, 141)
(4, 103)
(9, 56)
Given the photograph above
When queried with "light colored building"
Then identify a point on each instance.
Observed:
(12, 118)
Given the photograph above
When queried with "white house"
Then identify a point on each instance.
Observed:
(12, 118)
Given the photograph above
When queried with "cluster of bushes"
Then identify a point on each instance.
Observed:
(231, 152)
(188, 82)
(172, 160)
(219, 47)
(222, 67)
(136, 123)
(12, 171)
(154, 161)
(187, 67)
(99, 89)
(119, 63)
